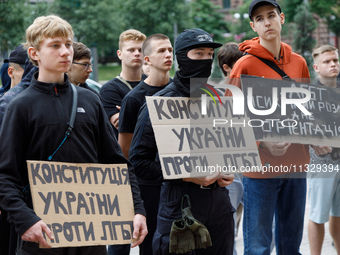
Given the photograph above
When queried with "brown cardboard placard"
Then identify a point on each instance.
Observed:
(83, 204)
(192, 144)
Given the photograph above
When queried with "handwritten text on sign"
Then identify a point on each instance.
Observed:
(322, 127)
(188, 143)
(83, 204)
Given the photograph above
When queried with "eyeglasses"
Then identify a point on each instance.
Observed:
(86, 66)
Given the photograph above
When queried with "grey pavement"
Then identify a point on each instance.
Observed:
(327, 248)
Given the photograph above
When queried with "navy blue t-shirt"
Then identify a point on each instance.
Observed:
(112, 94)
(131, 104)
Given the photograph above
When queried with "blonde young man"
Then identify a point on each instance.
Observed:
(157, 51)
(324, 187)
(113, 92)
(34, 124)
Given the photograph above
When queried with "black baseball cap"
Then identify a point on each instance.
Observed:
(253, 4)
(18, 56)
(194, 38)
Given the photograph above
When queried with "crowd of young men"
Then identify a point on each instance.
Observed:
(117, 129)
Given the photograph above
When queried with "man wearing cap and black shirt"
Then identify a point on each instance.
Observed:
(16, 65)
(5, 79)
(15, 71)
(265, 195)
(210, 204)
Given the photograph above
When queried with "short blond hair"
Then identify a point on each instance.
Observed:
(324, 48)
(131, 35)
(46, 27)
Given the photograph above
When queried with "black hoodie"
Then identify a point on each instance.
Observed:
(33, 127)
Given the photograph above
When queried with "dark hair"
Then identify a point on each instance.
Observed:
(81, 51)
(146, 49)
(228, 54)
(5, 79)
(278, 10)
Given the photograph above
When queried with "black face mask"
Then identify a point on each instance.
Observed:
(189, 68)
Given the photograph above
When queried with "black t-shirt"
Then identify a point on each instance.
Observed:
(112, 94)
(131, 104)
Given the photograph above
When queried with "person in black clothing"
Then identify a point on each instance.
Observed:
(157, 51)
(8, 237)
(113, 92)
(35, 123)
(81, 66)
(16, 65)
(210, 202)
(5, 79)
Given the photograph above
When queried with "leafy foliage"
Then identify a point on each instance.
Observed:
(12, 20)
(241, 29)
(99, 23)
(95, 23)
(329, 9)
(288, 7)
(206, 16)
(155, 16)
(303, 34)
(333, 18)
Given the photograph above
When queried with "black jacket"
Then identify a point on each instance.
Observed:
(33, 127)
(143, 152)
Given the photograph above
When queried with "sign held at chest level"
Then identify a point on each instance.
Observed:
(83, 204)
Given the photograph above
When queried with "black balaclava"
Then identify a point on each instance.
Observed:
(189, 68)
(193, 68)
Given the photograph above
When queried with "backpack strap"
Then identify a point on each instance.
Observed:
(124, 81)
(70, 124)
(273, 66)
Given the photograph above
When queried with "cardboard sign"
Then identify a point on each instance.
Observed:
(192, 144)
(83, 204)
(322, 127)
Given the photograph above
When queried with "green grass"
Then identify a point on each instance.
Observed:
(109, 71)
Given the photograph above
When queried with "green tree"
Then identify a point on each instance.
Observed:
(319, 7)
(303, 33)
(240, 29)
(288, 7)
(333, 19)
(12, 20)
(38, 9)
(95, 23)
(156, 16)
(329, 9)
(324, 8)
(206, 15)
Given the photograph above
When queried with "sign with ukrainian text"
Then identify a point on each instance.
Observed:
(83, 204)
(295, 112)
(192, 144)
